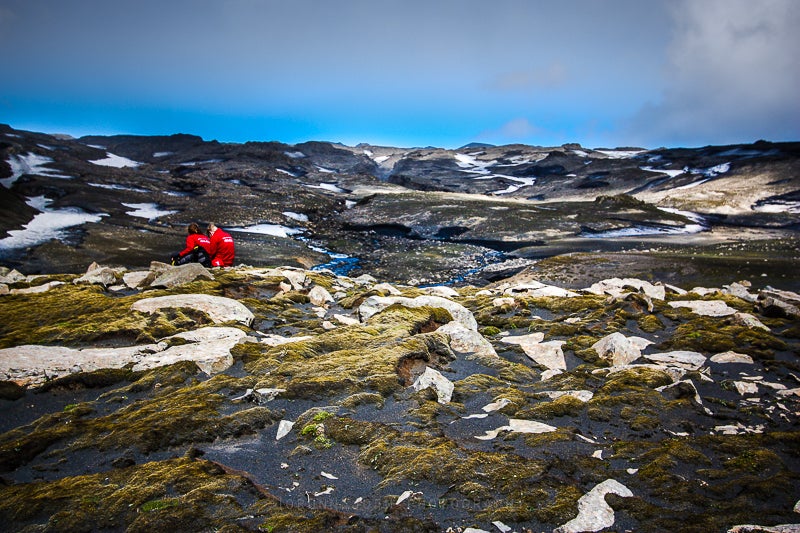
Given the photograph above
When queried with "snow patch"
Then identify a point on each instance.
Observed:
(115, 161)
(670, 173)
(162, 154)
(115, 187)
(148, 211)
(275, 230)
(620, 154)
(328, 187)
(300, 217)
(295, 155)
(31, 164)
(46, 225)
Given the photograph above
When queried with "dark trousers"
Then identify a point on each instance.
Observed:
(198, 255)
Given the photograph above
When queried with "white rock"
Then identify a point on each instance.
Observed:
(594, 513)
(464, 341)
(750, 528)
(619, 349)
(732, 357)
(496, 406)
(518, 426)
(501, 526)
(500, 302)
(681, 358)
(548, 354)
(272, 339)
(133, 279)
(749, 321)
(209, 348)
(319, 296)
(474, 530)
(618, 287)
(433, 378)
(740, 291)
(284, 427)
(549, 374)
(346, 320)
(375, 304)
(327, 475)
(219, 309)
(705, 307)
(746, 387)
(44, 287)
(443, 291)
(598, 454)
(536, 289)
(582, 395)
(387, 289)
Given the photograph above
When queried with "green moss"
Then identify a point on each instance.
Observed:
(563, 406)
(650, 323)
(178, 495)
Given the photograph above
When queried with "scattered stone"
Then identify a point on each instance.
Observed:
(181, 275)
(135, 279)
(749, 528)
(501, 526)
(464, 341)
(271, 339)
(11, 277)
(705, 307)
(619, 287)
(443, 291)
(496, 406)
(779, 304)
(749, 321)
(535, 289)
(208, 347)
(319, 296)
(218, 308)
(284, 427)
(500, 302)
(594, 513)
(582, 395)
(99, 275)
(619, 349)
(548, 354)
(387, 288)
(433, 378)
(518, 426)
(681, 358)
(44, 287)
(740, 291)
(745, 387)
(345, 320)
(732, 357)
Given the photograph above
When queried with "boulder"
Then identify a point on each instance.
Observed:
(594, 513)
(376, 304)
(319, 296)
(219, 309)
(705, 307)
(180, 275)
(740, 291)
(548, 354)
(12, 276)
(680, 358)
(135, 279)
(732, 357)
(34, 364)
(99, 275)
(465, 341)
(433, 378)
(618, 287)
(620, 350)
(780, 304)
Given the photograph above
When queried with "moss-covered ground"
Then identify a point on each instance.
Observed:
(118, 450)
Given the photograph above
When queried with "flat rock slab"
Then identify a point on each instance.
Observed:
(218, 308)
(594, 513)
(705, 307)
(208, 347)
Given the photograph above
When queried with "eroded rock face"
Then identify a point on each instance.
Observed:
(218, 308)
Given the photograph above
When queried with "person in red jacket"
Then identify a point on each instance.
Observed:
(197, 248)
(222, 249)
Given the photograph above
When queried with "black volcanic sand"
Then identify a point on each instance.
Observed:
(173, 448)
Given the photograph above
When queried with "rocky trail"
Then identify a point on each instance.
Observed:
(286, 399)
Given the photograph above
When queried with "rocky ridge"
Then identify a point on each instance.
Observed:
(286, 399)
(412, 215)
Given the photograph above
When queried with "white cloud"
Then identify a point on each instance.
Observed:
(732, 75)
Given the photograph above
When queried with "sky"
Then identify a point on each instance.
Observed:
(408, 73)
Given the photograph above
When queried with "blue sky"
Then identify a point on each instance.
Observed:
(406, 73)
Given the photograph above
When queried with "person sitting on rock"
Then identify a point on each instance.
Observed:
(222, 250)
(197, 248)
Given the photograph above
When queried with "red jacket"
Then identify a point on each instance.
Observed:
(196, 239)
(221, 250)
